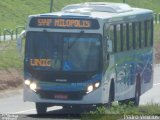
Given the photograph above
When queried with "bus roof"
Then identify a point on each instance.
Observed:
(101, 10)
(99, 7)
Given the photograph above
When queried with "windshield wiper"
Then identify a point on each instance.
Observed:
(75, 40)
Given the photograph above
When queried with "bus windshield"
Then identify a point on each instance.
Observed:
(65, 52)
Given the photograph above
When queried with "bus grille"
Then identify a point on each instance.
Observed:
(61, 95)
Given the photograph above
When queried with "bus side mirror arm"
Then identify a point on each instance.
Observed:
(19, 40)
(109, 46)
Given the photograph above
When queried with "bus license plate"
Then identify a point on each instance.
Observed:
(60, 96)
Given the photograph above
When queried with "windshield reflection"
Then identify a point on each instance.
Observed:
(67, 52)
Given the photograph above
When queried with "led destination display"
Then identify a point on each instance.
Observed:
(64, 23)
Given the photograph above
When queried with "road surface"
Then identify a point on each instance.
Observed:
(12, 102)
(153, 96)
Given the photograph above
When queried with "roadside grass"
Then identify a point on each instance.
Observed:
(10, 66)
(9, 57)
(117, 111)
(150, 109)
(157, 43)
(156, 33)
(14, 13)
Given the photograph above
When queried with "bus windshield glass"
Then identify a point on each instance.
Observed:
(64, 52)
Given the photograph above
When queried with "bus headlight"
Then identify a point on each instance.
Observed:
(97, 84)
(33, 86)
(90, 88)
(27, 82)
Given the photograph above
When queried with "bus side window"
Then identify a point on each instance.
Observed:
(121, 32)
(111, 36)
(151, 39)
(134, 34)
(118, 38)
(105, 48)
(127, 36)
(146, 33)
(137, 35)
(130, 33)
(106, 32)
(149, 32)
(124, 37)
(140, 34)
(115, 38)
(143, 34)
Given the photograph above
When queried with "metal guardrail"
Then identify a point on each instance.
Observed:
(17, 30)
(0, 35)
(10, 34)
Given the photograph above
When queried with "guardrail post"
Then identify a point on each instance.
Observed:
(17, 30)
(0, 35)
(11, 32)
(4, 34)
(16, 33)
(155, 18)
(159, 18)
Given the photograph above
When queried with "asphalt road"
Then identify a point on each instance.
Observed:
(11, 102)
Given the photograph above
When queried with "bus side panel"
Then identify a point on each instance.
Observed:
(145, 68)
(125, 75)
(130, 64)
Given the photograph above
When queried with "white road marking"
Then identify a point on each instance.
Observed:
(156, 84)
(24, 111)
(49, 109)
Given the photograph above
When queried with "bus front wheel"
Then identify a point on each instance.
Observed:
(41, 108)
(111, 95)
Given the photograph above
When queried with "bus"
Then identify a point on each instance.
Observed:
(88, 54)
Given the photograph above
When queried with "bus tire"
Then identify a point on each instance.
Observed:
(111, 94)
(136, 99)
(73, 109)
(41, 108)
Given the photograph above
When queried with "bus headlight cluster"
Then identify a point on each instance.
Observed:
(32, 85)
(92, 87)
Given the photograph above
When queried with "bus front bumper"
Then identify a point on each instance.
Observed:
(97, 96)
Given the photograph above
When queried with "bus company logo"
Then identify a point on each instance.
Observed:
(61, 80)
(41, 62)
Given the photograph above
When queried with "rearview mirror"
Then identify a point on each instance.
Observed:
(19, 41)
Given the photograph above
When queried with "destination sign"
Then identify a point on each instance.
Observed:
(41, 62)
(63, 23)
